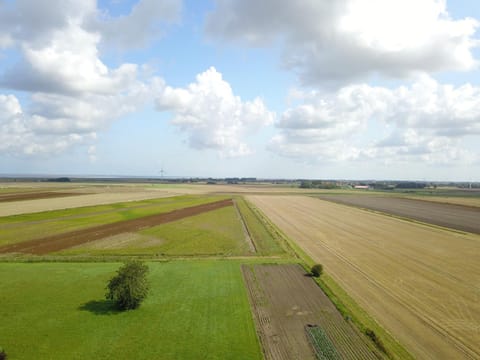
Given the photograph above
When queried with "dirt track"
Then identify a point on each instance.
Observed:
(284, 301)
(421, 283)
(464, 218)
(63, 241)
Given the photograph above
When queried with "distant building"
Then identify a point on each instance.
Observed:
(364, 187)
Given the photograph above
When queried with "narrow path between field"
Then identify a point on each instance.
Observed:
(248, 238)
(63, 241)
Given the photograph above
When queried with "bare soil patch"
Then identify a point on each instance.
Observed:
(421, 283)
(63, 241)
(464, 218)
(284, 302)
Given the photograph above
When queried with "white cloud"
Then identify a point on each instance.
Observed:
(424, 122)
(335, 42)
(212, 116)
(68, 63)
(18, 137)
(141, 25)
(71, 93)
(53, 123)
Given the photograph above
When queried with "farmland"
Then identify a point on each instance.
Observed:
(58, 311)
(419, 282)
(245, 240)
(463, 218)
(216, 232)
(20, 228)
(285, 302)
(65, 240)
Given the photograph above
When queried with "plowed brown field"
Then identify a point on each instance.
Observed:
(33, 195)
(63, 241)
(464, 218)
(284, 301)
(421, 283)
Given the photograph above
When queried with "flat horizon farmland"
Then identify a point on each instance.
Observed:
(421, 283)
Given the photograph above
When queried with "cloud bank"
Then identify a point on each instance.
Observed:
(425, 121)
(333, 43)
(71, 93)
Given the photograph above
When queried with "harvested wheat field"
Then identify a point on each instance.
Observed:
(421, 283)
(285, 302)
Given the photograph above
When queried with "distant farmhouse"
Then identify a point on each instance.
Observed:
(364, 187)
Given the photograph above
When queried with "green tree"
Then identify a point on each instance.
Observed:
(317, 270)
(130, 286)
(3, 354)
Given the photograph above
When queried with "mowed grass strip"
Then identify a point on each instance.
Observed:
(265, 242)
(20, 228)
(195, 310)
(217, 232)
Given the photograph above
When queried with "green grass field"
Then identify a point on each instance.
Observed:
(265, 242)
(217, 232)
(195, 310)
(19, 228)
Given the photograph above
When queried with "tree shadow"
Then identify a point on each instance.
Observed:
(100, 307)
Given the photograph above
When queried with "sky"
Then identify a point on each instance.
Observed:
(319, 89)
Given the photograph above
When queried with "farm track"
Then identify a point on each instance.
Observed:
(420, 282)
(36, 195)
(284, 301)
(63, 241)
(459, 217)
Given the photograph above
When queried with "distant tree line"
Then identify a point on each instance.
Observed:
(411, 185)
(60, 179)
(317, 184)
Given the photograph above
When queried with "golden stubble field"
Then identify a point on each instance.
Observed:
(421, 283)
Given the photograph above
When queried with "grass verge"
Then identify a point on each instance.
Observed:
(266, 243)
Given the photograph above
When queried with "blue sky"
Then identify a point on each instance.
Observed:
(352, 89)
